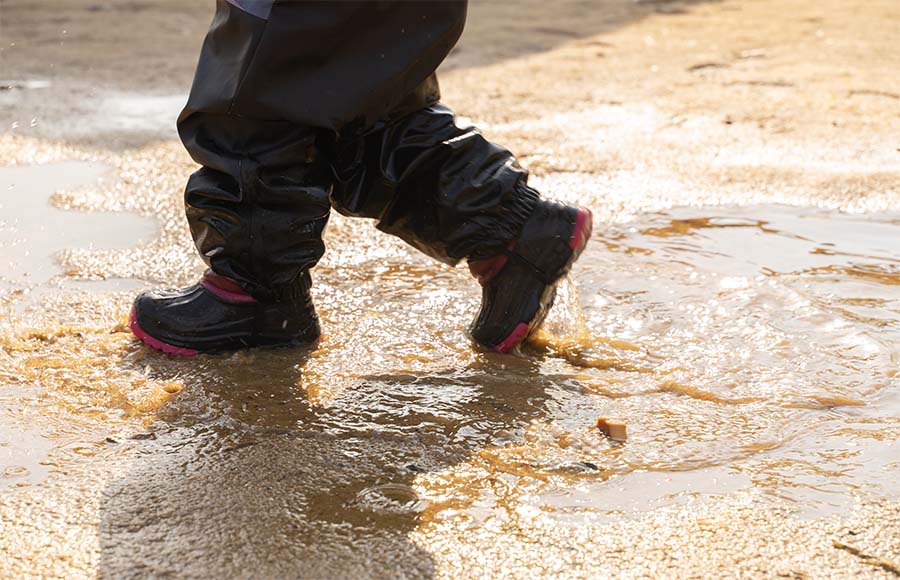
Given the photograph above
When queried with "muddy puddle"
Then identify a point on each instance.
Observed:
(33, 231)
(23, 451)
(750, 350)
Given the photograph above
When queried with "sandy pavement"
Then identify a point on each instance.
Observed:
(643, 104)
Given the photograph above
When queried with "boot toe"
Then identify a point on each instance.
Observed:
(145, 331)
(516, 298)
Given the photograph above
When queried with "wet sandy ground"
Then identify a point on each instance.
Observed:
(738, 308)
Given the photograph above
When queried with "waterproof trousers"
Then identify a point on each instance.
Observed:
(301, 106)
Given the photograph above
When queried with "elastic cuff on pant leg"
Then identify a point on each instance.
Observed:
(516, 211)
(295, 292)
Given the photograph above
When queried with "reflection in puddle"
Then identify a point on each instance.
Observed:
(23, 452)
(32, 231)
(764, 344)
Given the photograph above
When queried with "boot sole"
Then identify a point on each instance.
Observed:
(581, 233)
(173, 350)
(155, 343)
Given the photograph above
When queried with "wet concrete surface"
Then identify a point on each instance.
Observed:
(33, 231)
(738, 308)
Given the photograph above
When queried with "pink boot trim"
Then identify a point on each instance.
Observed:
(513, 340)
(225, 288)
(484, 270)
(584, 225)
(155, 343)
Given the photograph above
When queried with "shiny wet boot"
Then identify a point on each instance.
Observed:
(519, 285)
(216, 315)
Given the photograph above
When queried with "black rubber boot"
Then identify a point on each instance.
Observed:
(216, 315)
(519, 285)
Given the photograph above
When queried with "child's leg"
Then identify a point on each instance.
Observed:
(454, 195)
(445, 190)
(272, 74)
(259, 203)
(256, 209)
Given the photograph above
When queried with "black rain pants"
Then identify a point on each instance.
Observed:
(299, 106)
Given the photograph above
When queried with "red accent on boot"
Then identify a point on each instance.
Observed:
(484, 270)
(584, 225)
(519, 334)
(155, 342)
(225, 288)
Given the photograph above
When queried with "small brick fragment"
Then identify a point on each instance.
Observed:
(615, 430)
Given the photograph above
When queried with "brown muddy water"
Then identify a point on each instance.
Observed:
(753, 352)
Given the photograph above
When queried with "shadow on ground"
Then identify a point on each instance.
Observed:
(243, 476)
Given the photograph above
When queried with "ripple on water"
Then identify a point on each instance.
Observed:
(390, 498)
(753, 342)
